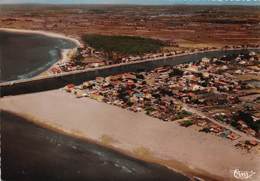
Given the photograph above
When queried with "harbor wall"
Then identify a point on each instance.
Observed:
(38, 84)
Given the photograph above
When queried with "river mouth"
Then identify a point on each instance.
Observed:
(25, 55)
(30, 152)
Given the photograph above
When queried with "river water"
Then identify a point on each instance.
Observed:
(31, 153)
(24, 55)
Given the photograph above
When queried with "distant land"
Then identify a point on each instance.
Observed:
(133, 2)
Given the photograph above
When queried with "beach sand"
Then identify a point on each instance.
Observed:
(49, 34)
(64, 52)
(136, 134)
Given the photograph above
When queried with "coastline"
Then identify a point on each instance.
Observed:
(40, 116)
(133, 134)
(79, 136)
(41, 142)
(173, 165)
(45, 33)
(63, 52)
(63, 56)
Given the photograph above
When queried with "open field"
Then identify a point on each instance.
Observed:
(187, 26)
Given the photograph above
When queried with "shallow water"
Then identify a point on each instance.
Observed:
(24, 55)
(30, 152)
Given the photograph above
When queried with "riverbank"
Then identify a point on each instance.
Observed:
(138, 135)
(37, 84)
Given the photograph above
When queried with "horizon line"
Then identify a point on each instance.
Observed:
(216, 3)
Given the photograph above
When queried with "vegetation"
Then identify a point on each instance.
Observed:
(183, 114)
(127, 45)
(206, 130)
(176, 72)
(97, 11)
(149, 109)
(234, 123)
(248, 119)
(186, 123)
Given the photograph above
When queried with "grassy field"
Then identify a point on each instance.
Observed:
(129, 45)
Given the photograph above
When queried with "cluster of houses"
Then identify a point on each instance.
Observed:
(87, 57)
(214, 86)
(206, 85)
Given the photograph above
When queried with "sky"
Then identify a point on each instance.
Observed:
(152, 2)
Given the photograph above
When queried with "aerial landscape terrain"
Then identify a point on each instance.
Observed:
(130, 92)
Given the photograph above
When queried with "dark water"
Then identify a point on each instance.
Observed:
(31, 153)
(26, 55)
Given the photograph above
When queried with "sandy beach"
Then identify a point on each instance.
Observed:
(64, 57)
(64, 52)
(55, 152)
(45, 33)
(183, 149)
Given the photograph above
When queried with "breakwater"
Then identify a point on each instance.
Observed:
(60, 80)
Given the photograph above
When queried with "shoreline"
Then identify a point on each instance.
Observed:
(45, 33)
(63, 52)
(113, 165)
(63, 56)
(133, 134)
(77, 135)
(173, 165)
